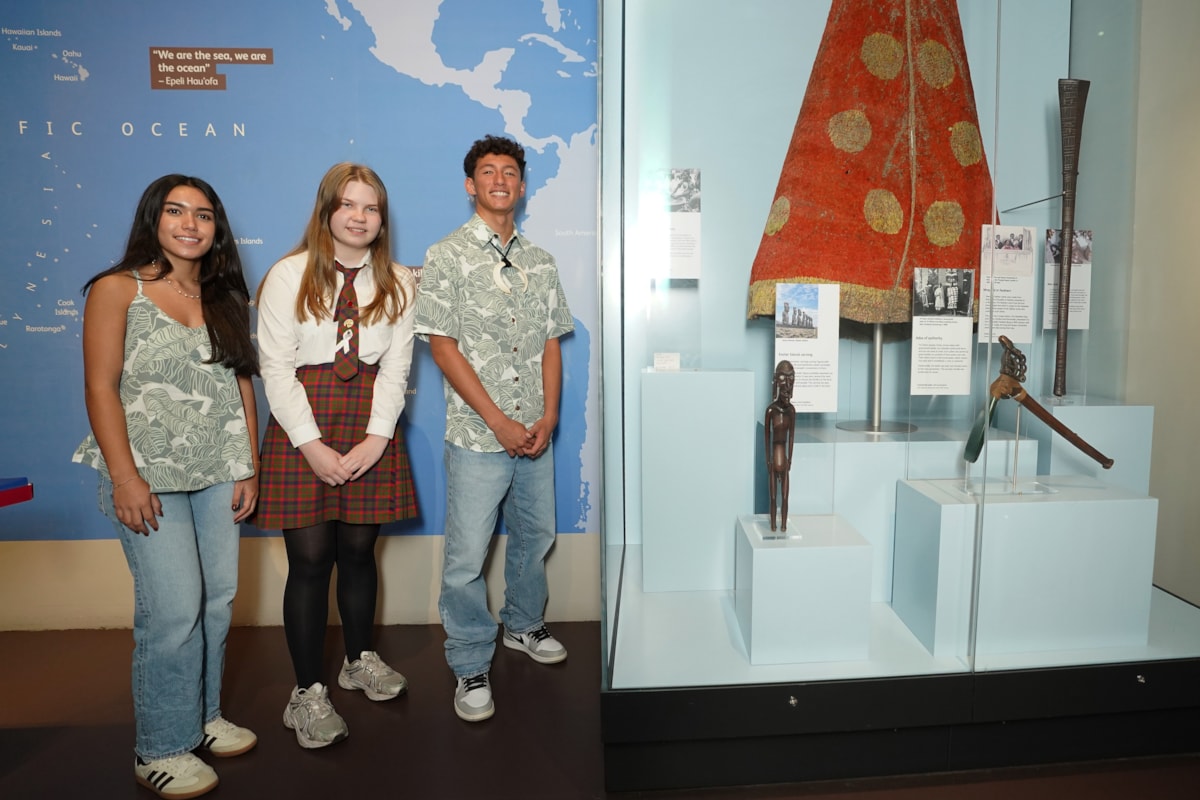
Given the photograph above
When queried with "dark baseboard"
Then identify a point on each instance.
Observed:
(785, 733)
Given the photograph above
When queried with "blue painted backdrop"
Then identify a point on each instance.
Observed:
(404, 88)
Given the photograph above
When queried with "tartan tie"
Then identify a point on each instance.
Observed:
(345, 358)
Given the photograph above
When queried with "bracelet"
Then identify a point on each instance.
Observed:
(127, 480)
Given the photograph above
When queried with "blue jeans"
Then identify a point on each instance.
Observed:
(184, 578)
(478, 487)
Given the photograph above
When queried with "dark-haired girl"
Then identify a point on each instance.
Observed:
(168, 362)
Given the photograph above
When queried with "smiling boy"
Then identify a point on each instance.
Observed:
(492, 308)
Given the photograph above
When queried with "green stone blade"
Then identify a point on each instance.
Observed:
(979, 431)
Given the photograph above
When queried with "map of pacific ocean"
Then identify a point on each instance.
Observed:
(260, 99)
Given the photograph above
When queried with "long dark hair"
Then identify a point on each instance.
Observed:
(224, 296)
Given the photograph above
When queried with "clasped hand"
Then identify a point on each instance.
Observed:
(517, 440)
(336, 469)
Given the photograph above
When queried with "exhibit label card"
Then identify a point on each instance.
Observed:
(941, 332)
(1079, 304)
(683, 208)
(806, 334)
(666, 362)
(1007, 262)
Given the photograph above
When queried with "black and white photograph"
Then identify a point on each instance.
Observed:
(943, 292)
(683, 190)
(1081, 252)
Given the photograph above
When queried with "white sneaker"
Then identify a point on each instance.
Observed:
(538, 644)
(224, 739)
(310, 714)
(178, 777)
(473, 698)
(375, 678)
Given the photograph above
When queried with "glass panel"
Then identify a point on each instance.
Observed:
(705, 95)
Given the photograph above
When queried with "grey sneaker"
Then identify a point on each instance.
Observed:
(178, 777)
(310, 714)
(473, 698)
(538, 644)
(375, 678)
(224, 739)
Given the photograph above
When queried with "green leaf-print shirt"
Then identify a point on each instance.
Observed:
(501, 334)
(186, 424)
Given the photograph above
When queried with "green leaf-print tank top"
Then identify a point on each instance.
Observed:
(185, 419)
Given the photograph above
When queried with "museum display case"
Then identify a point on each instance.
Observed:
(914, 609)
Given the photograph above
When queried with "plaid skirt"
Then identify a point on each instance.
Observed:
(290, 495)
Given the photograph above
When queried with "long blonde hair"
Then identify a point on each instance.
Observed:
(316, 293)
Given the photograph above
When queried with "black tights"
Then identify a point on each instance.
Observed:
(311, 553)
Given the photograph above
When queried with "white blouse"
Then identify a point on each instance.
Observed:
(285, 345)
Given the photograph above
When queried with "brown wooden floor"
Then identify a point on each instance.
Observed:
(66, 730)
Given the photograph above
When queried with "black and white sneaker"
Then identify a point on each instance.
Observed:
(473, 698)
(176, 778)
(538, 644)
(224, 739)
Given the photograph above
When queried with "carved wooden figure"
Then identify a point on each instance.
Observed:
(779, 432)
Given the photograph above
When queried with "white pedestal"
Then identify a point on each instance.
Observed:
(854, 475)
(931, 591)
(1123, 433)
(698, 437)
(806, 597)
(1067, 570)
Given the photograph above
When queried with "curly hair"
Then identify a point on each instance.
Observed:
(493, 145)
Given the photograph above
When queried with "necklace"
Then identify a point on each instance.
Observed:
(179, 291)
(502, 283)
(171, 283)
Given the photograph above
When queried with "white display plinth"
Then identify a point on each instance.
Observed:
(931, 587)
(1123, 433)
(806, 597)
(1064, 570)
(698, 437)
(854, 475)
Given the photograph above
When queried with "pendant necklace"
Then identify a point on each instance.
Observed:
(178, 291)
(501, 282)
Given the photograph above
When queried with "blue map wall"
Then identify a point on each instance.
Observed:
(260, 99)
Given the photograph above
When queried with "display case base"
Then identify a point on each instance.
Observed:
(690, 738)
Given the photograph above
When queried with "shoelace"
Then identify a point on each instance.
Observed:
(318, 707)
(477, 682)
(221, 727)
(375, 666)
(540, 635)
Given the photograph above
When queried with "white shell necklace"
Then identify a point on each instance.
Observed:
(171, 283)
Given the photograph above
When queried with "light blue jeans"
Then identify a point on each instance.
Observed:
(478, 487)
(184, 578)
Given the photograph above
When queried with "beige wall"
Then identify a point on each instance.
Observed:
(1163, 366)
(63, 585)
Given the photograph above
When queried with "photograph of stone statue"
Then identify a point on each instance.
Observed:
(779, 432)
(796, 311)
